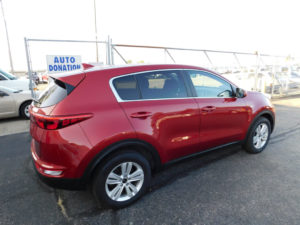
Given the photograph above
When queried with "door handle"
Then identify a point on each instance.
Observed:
(208, 108)
(141, 115)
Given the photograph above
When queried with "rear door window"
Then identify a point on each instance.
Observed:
(161, 84)
(127, 87)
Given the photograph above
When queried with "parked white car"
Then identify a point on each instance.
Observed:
(14, 103)
(11, 81)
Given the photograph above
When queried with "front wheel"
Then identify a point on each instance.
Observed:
(259, 135)
(122, 180)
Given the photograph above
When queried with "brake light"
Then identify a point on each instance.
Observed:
(56, 122)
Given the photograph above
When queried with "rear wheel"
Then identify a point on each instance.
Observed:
(122, 180)
(259, 135)
(24, 110)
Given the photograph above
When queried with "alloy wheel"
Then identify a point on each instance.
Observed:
(261, 135)
(124, 181)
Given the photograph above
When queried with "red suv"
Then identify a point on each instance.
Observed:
(113, 127)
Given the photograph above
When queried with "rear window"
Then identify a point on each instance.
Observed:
(55, 93)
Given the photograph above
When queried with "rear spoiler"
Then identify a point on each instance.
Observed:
(72, 79)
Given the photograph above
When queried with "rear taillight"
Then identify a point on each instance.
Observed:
(56, 122)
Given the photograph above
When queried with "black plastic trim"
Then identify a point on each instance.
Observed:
(256, 117)
(114, 148)
(62, 183)
(201, 152)
(262, 113)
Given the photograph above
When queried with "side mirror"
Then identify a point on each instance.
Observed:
(240, 93)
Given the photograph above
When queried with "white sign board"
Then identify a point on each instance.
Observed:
(63, 63)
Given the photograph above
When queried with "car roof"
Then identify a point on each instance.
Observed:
(116, 70)
(126, 69)
(130, 69)
(142, 67)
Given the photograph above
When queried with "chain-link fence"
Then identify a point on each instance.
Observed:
(274, 75)
(271, 74)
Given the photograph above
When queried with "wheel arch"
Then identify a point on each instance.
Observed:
(142, 147)
(266, 114)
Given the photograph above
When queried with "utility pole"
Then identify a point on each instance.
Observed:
(96, 33)
(8, 45)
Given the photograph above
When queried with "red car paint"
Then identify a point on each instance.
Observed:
(173, 127)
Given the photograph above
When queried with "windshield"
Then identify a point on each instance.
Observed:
(8, 75)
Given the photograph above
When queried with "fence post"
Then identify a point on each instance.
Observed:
(108, 51)
(112, 53)
(273, 77)
(256, 73)
(29, 67)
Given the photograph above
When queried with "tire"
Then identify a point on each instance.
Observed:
(256, 142)
(105, 193)
(24, 110)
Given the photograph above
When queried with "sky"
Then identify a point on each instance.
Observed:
(248, 26)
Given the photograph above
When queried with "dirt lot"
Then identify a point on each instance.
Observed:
(227, 186)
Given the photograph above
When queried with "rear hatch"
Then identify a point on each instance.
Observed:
(59, 88)
(41, 118)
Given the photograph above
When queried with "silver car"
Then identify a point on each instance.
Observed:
(11, 81)
(14, 103)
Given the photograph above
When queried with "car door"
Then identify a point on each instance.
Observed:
(224, 117)
(161, 111)
(7, 104)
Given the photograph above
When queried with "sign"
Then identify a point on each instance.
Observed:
(63, 63)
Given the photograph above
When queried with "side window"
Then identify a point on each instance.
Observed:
(210, 86)
(127, 87)
(161, 84)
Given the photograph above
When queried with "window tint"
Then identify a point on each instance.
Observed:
(2, 77)
(55, 93)
(127, 88)
(210, 86)
(8, 75)
(164, 84)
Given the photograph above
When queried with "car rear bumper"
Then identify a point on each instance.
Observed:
(58, 181)
(61, 183)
